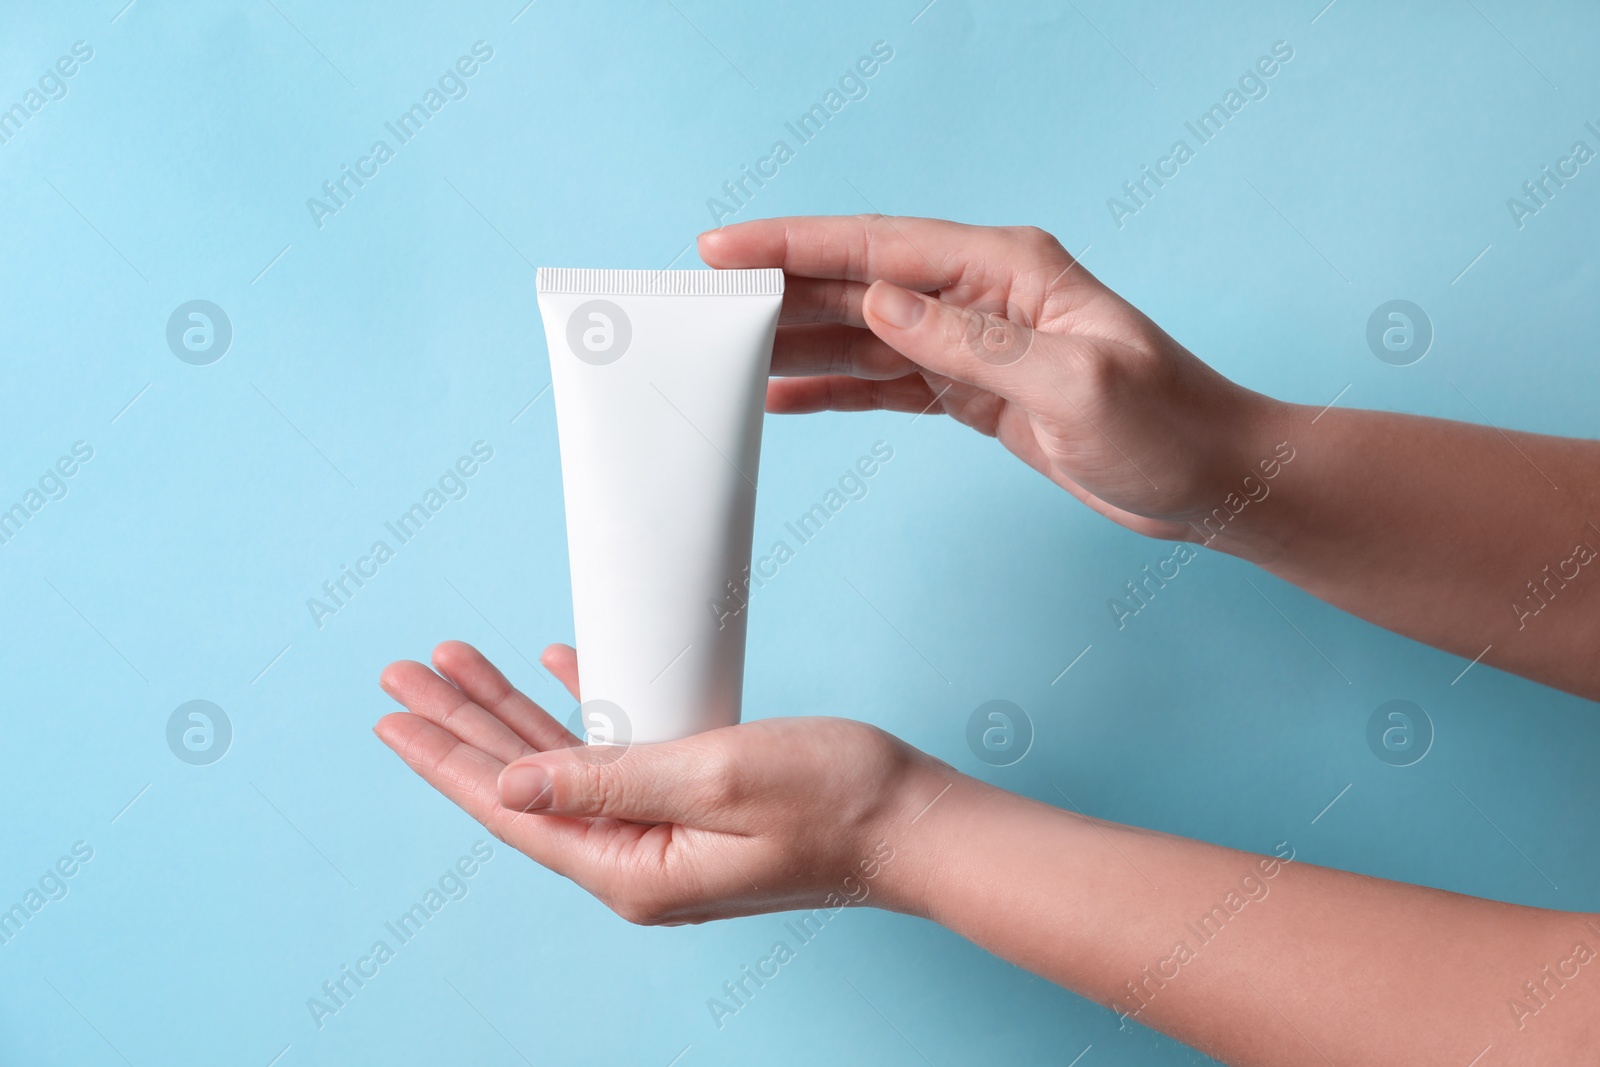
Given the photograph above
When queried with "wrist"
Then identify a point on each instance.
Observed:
(919, 838)
(1248, 513)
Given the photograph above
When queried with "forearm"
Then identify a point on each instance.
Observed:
(1457, 535)
(1252, 959)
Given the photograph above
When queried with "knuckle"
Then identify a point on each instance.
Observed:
(585, 787)
(499, 692)
(1038, 240)
(846, 304)
(858, 255)
(879, 749)
(958, 325)
(454, 712)
(1091, 372)
(420, 753)
(1093, 364)
(841, 353)
(720, 779)
(807, 300)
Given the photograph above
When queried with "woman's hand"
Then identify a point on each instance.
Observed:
(1471, 538)
(764, 816)
(1252, 959)
(1002, 329)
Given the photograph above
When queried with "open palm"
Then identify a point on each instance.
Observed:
(752, 818)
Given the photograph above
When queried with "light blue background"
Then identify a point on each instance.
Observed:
(375, 350)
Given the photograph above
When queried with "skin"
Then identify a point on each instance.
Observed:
(1431, 528)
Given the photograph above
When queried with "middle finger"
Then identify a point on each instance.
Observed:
(426, 694)
(830, 349)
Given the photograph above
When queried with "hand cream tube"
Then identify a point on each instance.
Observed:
(660, 380)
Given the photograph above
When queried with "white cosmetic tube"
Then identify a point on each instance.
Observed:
(660, 380)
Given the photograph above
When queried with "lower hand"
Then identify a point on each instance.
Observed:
(764, 816)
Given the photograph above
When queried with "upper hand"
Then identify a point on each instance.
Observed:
(764, 816)
(1002, 329)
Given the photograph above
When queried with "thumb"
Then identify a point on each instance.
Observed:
(982, 349)
(666, 782)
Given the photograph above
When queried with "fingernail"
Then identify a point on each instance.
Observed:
(898, 307)
(525, 787)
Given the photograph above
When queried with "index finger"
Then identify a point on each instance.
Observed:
(913, 253)
(470, 777)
